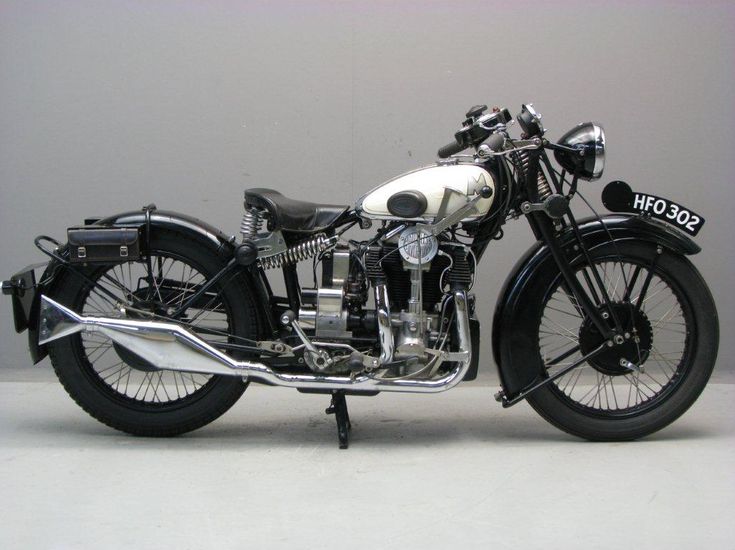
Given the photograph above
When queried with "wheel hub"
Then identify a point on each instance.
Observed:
(634, 347)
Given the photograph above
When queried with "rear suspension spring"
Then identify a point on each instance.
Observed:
(302, 251)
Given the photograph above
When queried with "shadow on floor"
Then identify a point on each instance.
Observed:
(368, 431)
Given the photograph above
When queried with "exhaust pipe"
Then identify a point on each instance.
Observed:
(173, 347)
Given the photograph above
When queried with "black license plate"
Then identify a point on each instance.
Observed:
(619, 197)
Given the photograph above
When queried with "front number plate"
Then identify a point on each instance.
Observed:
(619, 197)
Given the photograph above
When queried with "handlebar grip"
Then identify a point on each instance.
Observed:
(450, 149)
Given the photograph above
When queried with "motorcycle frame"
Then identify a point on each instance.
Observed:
(542, 226)
(553, 236)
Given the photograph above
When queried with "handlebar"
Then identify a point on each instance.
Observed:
(450, 149)
(477, 128)
(495, 142)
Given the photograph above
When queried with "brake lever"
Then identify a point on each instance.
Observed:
(498, 127)
(484, 151)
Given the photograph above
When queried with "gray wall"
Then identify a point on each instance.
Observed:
(106, 106)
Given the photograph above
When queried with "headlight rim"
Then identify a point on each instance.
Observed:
(599, 146)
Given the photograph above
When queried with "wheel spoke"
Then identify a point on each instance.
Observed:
(170, 282)
(631, 283)
(644, 289)
(601, 385)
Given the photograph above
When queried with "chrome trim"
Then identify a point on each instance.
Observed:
(270, 258)
(165, 345)
(385, 331)
(340, 266)
(599, 151)
(307, 317)
(331, 317)
(417, 247)
(296, 326)
(252, 220)
(317, 343)
(173, 347)
(393, 232)
(318, 359)
(270, 245)
(455, 217)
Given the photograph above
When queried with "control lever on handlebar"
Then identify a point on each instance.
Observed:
(494, 144)
(477, 128)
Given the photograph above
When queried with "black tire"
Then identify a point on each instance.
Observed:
(680, 375)
(158, 416)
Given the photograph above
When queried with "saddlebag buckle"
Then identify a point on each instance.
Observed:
(94, 244)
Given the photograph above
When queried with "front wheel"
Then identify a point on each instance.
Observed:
(648, 380)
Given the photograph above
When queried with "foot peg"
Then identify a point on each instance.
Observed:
(338, 407)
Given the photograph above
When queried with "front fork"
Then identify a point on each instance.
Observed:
(544, 229)
(579, 296)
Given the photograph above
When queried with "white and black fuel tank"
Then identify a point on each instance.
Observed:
(418, 195)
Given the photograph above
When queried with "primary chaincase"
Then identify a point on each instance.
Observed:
(329, 318)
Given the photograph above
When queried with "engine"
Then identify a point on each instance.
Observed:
(412, 273)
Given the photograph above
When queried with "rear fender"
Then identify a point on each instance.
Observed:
(511, 351)
(193, 228)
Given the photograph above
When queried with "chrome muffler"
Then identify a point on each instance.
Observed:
(174, 347)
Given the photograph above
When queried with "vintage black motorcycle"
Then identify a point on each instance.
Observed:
(156, 322)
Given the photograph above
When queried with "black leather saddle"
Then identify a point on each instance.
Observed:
(293, 215)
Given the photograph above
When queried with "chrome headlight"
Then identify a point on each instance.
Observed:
(589, 138)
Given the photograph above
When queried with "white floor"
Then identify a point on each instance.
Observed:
(453, 470)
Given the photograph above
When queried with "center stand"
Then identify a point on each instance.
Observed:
(338, 407)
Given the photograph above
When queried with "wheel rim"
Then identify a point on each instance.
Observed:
(121, 374)
(597, 388)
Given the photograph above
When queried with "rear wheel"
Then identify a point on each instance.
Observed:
(123, 390)
(648, 380)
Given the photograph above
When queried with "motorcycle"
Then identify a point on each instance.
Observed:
(156, 322)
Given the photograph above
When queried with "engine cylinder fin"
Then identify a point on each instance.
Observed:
(460, 276)
(399, 282)
(373, 265)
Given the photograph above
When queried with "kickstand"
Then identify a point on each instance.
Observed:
(338, 407)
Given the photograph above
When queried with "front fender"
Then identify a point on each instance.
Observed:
(516, 371)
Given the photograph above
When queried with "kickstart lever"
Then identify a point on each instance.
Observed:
(317, 359)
